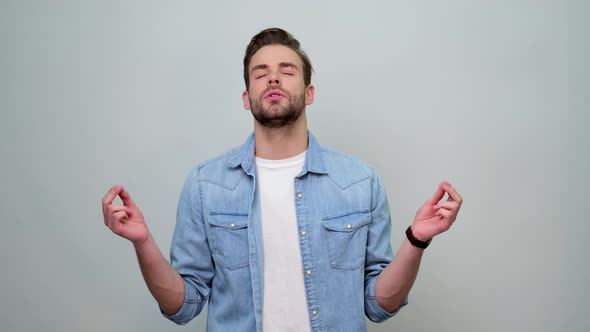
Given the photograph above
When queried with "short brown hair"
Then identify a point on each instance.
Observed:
(275, 36)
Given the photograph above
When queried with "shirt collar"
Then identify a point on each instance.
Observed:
(314, 161)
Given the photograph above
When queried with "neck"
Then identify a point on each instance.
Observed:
(281, 143)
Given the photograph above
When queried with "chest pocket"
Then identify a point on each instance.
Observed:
(347, 239)
(230, 239)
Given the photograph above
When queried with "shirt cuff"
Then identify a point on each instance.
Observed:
(191, 306)
(373, 310)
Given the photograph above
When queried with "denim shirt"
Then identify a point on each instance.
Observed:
(343, 224)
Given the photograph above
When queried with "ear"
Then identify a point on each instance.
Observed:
(246, 100)
(309, 91)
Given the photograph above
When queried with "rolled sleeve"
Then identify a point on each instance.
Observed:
(379, 253)
(191, 307)
(372, 309)
(190, 254)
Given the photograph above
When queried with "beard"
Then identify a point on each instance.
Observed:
(276, 115)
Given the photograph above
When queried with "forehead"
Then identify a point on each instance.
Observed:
(274, 54)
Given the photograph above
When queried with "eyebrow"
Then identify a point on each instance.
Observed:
(281, 65)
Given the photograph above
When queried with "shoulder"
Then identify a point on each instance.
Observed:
(221, 160)
(218, 171)
(345, 169)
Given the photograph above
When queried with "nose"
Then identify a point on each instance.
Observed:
(273, 79)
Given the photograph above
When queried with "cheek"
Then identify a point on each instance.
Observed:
(255, 92)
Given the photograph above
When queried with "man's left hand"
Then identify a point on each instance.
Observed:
(435, 217)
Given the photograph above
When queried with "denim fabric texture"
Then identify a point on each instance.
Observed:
(343, 226)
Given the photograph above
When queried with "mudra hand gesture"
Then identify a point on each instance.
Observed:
(124, 220)
(435, 217)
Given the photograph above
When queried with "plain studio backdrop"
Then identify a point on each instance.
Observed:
(490, 95)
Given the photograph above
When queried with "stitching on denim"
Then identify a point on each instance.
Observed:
(231, 213)
(235, 185)
(340, 215)
(349, 185)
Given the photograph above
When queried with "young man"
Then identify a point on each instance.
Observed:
(281, 233)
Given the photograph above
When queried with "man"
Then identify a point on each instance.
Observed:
(281, 234)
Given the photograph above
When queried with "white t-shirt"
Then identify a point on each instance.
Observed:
(285, 303)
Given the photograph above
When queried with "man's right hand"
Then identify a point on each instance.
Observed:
(124, 220)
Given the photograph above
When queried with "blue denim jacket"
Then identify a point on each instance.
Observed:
(344, 230)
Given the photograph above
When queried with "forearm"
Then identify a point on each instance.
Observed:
(162, 280)
(395, 281)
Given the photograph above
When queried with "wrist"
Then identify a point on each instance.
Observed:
(417, 241)
(142, 243)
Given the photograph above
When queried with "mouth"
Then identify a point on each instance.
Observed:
(274, 95)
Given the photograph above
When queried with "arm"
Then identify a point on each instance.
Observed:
(434, 217)
(127, 221)
(165, 284)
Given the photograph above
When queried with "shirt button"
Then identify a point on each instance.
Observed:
(303, 233)
(349, 226)
(308, 272)
(313, 312)
(232, 225)
(300, 195)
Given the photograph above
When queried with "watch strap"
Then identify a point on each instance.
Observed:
(414, 241)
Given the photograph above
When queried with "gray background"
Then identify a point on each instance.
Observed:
(489, 95)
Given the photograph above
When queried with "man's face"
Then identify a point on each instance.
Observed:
(277, 94)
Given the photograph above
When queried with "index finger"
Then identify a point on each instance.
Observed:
(111, 194)
(126, 198)
(438, 195)
(453, 194)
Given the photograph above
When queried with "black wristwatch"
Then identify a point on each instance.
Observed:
(414, 241)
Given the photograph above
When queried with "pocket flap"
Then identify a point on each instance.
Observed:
(230, 221)
(347, 222)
